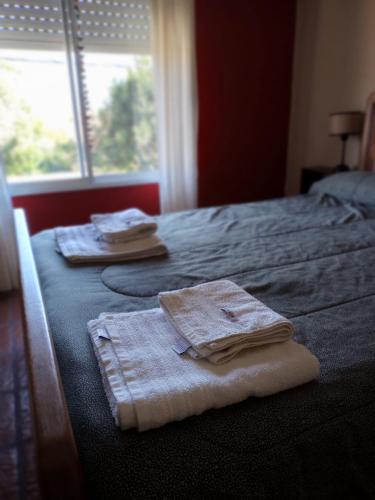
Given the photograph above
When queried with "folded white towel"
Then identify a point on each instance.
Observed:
(83, 244)
(149, 385)
(219, 319)
(126, 225)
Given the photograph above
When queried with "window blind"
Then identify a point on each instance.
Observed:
(105, 25)
(115, 25)
(31, 24)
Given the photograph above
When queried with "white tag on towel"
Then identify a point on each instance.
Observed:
(181, 346)
(103, 334)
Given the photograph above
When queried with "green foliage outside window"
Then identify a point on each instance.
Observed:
(123, 130)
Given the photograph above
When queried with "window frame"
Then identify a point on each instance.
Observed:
(82, 183)
(86, 179)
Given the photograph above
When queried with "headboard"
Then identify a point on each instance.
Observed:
(367, 155)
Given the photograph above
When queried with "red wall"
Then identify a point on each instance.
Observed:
(245, 53)
(74, 207)
(244, 59)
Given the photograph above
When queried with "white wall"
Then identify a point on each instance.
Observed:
(334, 70)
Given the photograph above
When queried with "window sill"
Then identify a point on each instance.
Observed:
(81, 184)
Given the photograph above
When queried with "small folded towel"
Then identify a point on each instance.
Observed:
(125, 225)
(149, 385)
(83, 244)
(219, 319)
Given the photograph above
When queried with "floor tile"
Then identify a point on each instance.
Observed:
(4, 309)
(8, 474)
(31, 472)
(21, 369)
(7, 420)
(17, 333)
(26, 420)
(5, 338)
(6, 371)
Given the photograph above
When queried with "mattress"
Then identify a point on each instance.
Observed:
(310, 259)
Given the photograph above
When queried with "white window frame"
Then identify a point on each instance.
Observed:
(82, 183)
(87, 179)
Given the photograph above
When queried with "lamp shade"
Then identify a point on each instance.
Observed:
(346, 123)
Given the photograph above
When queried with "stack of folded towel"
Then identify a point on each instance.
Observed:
(217, 320)
(124, 226)
(121, 236)
(206, 347)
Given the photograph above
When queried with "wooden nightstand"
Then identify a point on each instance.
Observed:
(309, 175)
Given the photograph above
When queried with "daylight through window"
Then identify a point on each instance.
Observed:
(83, 113)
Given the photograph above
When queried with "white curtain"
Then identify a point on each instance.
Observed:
(173, 50)
(8, 253)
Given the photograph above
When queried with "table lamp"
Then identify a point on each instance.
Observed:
(344, 124)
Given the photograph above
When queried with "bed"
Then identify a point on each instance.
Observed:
(311, 258)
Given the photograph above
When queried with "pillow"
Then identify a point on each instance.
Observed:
(358, 186)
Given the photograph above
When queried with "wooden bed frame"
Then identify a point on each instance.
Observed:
(58, 464)
(59, 471)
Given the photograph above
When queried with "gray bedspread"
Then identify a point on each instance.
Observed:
(309, 258)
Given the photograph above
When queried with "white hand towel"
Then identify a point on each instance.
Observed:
(126, 225)
(149, 385)
(83, 244)
(219, 319)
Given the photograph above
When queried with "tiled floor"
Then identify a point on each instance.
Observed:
(17, 461)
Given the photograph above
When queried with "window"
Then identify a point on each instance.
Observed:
(76, 94)
(37, 138)
(123, 116)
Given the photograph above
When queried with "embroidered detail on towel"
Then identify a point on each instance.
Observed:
(181, 346)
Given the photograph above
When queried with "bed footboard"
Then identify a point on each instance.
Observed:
(58, 465)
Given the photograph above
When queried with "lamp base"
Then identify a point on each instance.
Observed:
(342, 167)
